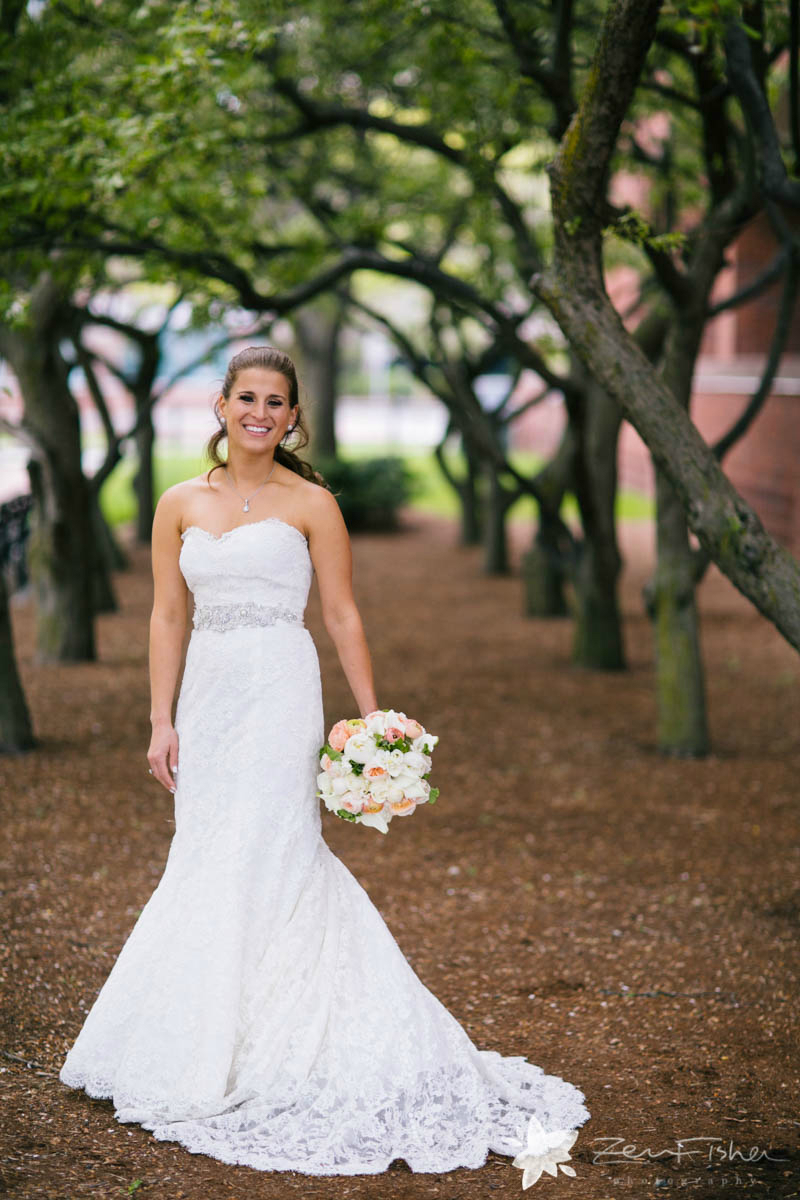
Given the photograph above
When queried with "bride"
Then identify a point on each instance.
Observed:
(260, 1010)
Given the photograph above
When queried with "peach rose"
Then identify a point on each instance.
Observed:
(376, 772)
(350, 802)
(413, 728)
(371, 805)
(403, 808)
(342, 730)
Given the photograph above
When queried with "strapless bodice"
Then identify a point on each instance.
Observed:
(264, 563)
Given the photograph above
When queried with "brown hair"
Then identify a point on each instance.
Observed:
(271, 359)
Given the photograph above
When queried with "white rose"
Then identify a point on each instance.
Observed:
(425, 742)
(396, 761)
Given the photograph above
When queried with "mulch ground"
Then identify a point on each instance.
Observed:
(627, 921)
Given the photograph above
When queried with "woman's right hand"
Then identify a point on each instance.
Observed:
(163, 755)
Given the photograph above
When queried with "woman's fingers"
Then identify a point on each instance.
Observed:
(172, 763)
(164, 762)
(161, 773)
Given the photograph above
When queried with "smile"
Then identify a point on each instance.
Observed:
(258, 430)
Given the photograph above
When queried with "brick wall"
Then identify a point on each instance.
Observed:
(765, 465)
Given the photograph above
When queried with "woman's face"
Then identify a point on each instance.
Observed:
(257, 412)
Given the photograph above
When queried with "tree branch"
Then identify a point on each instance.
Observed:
(780, 337)
(756, 286)
(775, 182)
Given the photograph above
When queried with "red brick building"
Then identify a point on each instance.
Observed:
(765, 464)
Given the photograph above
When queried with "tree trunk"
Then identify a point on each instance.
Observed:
(598, 641)
(318, 329)
(105, 557)
(61, 563)
(466, 489)
(16, 730)
(543, 578)
(143, 479)
(544, 566)
(61, 554)
(495, 536)
(682, 724)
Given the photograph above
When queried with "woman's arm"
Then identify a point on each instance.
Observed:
(329, 546)
(168, 623)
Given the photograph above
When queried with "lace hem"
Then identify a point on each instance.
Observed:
(440, 1124)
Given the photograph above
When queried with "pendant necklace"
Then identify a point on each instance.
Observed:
(246, 506)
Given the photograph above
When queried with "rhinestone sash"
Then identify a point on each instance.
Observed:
(240, 616)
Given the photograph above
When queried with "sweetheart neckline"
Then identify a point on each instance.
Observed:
(220, 537)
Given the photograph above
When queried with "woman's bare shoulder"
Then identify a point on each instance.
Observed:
(177, 499)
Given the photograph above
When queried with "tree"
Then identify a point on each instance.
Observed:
(573, 287)
(447, 117)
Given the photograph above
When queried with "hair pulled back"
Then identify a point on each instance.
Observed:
(270, 359)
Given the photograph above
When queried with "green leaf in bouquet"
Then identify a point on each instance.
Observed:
(345, 815)
(329, 750)
(434, 792)
(356, 767)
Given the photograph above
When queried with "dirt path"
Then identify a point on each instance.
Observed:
(626, 921)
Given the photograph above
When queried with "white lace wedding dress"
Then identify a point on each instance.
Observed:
(260, 1011)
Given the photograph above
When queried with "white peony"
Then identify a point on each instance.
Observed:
(405, 779)
(376, 723)
(379, 788)
(425, 742)
(380, 758)
(358, 784)
(324, 783)
(418, 790)
(359, 747)
(418, 762)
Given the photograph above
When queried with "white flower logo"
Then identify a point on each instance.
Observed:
(544, 1151)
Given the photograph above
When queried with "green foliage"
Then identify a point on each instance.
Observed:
(633, 227)
(702, 22)
(370, 491)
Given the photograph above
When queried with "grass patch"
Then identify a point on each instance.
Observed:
(431, 493)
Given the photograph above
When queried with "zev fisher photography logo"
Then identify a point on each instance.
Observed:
(690, 1153)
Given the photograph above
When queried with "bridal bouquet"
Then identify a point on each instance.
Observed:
(376, 767)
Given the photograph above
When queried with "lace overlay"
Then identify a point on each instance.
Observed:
(260, 1010)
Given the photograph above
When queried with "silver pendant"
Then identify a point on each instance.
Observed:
(246, 506)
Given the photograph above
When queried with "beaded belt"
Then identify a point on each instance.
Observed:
(239, 616)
